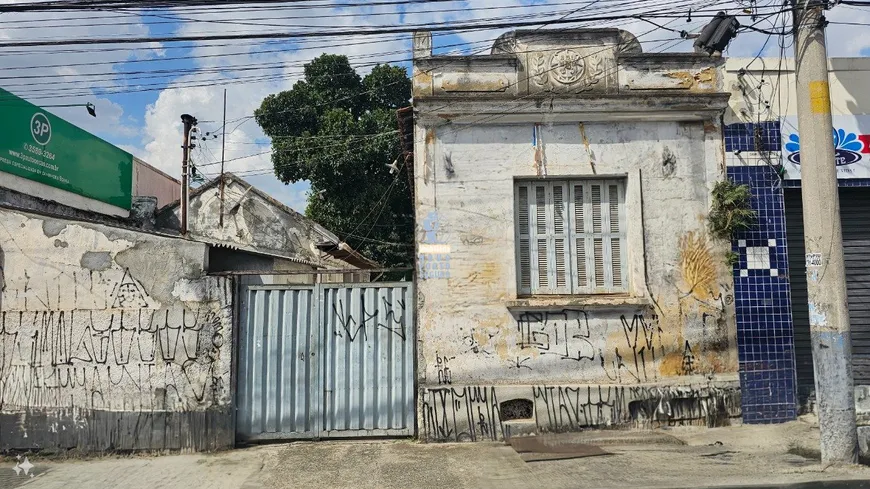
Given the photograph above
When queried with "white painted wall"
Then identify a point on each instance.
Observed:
(465, 318)
(848, 78)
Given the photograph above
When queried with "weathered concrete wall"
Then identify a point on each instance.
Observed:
(488, 412)
(569, 62)
(110, 339)
(675, 326)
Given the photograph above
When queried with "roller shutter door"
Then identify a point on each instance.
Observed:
(855, 215)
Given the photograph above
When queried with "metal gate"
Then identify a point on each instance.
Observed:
(854, 205)
(326, 361)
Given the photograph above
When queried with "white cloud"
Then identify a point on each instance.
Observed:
(64, 75)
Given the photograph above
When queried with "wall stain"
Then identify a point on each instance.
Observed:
(430, 148)
(589, 151)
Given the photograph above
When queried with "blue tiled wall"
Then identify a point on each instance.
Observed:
(762, 297)
(765, 331)
(763, 136)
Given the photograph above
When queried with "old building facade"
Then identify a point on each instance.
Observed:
(566, 277)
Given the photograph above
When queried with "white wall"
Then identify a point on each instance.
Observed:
(102, 329)
(848, 78)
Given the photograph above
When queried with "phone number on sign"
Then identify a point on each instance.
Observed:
(39, 151)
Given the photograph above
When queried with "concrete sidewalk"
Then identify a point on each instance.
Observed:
(747, 455)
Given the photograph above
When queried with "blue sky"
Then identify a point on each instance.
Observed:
(140, 93)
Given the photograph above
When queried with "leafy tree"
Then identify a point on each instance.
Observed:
(339, 131)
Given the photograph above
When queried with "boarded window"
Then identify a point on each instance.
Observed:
(571, 237)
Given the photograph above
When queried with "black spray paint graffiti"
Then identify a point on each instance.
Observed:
(520, 363)
(688, 363)
(564, 334)
(351, 323)
(443, 368)
(472, 342)
(473, 413)
(569, 408)
(643, 338)
(467, 414)
(47, 356)
(122, 356)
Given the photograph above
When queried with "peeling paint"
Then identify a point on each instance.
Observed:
(689, 80)
(818, 318)
(468, 83)
(112, 351)
(427, 155)
(669, 163)
(589, 151)
(686, 79)
(96, 260)
(52, 228)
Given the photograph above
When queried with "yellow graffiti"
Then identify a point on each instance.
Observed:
(697, 266)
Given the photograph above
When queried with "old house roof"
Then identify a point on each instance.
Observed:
(324, 240)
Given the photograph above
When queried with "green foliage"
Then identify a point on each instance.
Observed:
(732, 258)
(731, 211)
(338, 131)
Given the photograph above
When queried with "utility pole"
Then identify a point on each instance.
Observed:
(189, 122)
(223, 155)
(826, 277)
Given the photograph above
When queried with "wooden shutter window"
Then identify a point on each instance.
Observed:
(570, 237)
(596, 208)
(615, 239)
(598, 256)
(525, 266)
(581, 279)
(541, 209)
(559, 238)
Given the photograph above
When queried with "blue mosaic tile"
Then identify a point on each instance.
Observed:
(763, 136)
(762, 296)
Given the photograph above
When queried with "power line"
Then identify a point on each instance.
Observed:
(74, 5)
(165, 86)
(647, 32)
(55, 90)
(277, 166)
(378, 205)
(325, 33)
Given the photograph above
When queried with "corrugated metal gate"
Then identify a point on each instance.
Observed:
(854, 205)
(326, 361)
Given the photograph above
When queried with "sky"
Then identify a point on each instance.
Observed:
(141, 90)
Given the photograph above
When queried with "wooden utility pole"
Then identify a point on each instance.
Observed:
(826, 276)
(189, 122)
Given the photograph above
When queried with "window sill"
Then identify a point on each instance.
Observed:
(580, 301)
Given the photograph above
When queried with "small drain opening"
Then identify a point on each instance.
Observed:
(516, 409)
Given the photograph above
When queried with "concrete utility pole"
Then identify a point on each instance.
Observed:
(189, 121)
(223, 157)
(826, 277)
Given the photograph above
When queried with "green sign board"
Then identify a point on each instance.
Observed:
(42, 147)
